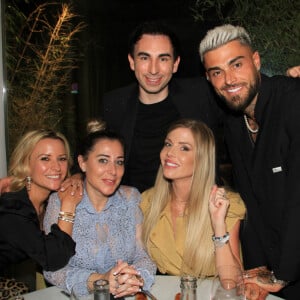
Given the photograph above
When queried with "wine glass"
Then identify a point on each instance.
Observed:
(228, 284)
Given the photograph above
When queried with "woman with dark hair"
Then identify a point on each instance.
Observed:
(107, 227)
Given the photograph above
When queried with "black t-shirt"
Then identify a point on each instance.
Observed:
(150, 130)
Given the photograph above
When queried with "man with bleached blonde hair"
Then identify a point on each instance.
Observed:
(262, 132)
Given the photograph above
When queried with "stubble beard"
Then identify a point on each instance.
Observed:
(239, 103)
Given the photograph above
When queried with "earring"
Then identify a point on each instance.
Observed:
(28, 183)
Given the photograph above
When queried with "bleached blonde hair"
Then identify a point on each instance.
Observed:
(222, 35)
(198, 257)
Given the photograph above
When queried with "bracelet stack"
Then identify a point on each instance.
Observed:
(66, 216)
(220, 241)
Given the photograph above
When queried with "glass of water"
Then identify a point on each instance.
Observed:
(100, 291)
(228, 284)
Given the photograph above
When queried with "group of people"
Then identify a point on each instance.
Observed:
(183, 222)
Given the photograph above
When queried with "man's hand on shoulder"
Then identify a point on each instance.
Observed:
(5, 184)
(293, 71)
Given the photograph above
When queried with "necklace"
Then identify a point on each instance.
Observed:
(248, 126)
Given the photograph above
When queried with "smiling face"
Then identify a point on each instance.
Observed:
(48, 166)
(233, 70)
(178, 155)
(154, 64)
(104, 168)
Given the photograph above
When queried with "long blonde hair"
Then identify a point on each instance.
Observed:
(20, 157)
(198, 256)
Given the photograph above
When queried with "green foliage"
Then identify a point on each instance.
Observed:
(40, 56)
(274, 26)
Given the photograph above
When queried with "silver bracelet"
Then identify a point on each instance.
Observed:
(220, 241)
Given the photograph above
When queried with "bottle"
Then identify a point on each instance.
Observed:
(101, 290)
(188, 285)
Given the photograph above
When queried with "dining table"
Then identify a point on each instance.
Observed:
(164, 288)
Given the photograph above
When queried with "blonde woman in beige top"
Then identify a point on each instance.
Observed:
(185, 209)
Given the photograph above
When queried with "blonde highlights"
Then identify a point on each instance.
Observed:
(198, 256)
(20, 157)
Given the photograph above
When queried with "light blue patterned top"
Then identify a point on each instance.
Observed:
(102, 238)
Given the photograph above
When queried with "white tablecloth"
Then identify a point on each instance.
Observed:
(165, 288)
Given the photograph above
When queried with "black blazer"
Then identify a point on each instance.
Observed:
(193, 98)
(267, 175)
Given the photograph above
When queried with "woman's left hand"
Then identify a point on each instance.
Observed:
(218, 206)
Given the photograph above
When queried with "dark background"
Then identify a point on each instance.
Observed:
(102, 49)
(104, 64)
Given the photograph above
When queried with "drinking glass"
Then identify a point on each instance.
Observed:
(100, 291)
(228, 284)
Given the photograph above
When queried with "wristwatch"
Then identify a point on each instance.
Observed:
(220, 241)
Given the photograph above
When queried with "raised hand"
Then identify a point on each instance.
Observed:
(218, 206)
(73, 184)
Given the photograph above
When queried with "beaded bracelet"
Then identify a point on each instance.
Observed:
(220, 241)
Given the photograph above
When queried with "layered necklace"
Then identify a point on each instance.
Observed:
(248, 126)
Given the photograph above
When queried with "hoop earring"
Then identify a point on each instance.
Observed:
(28, 183)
